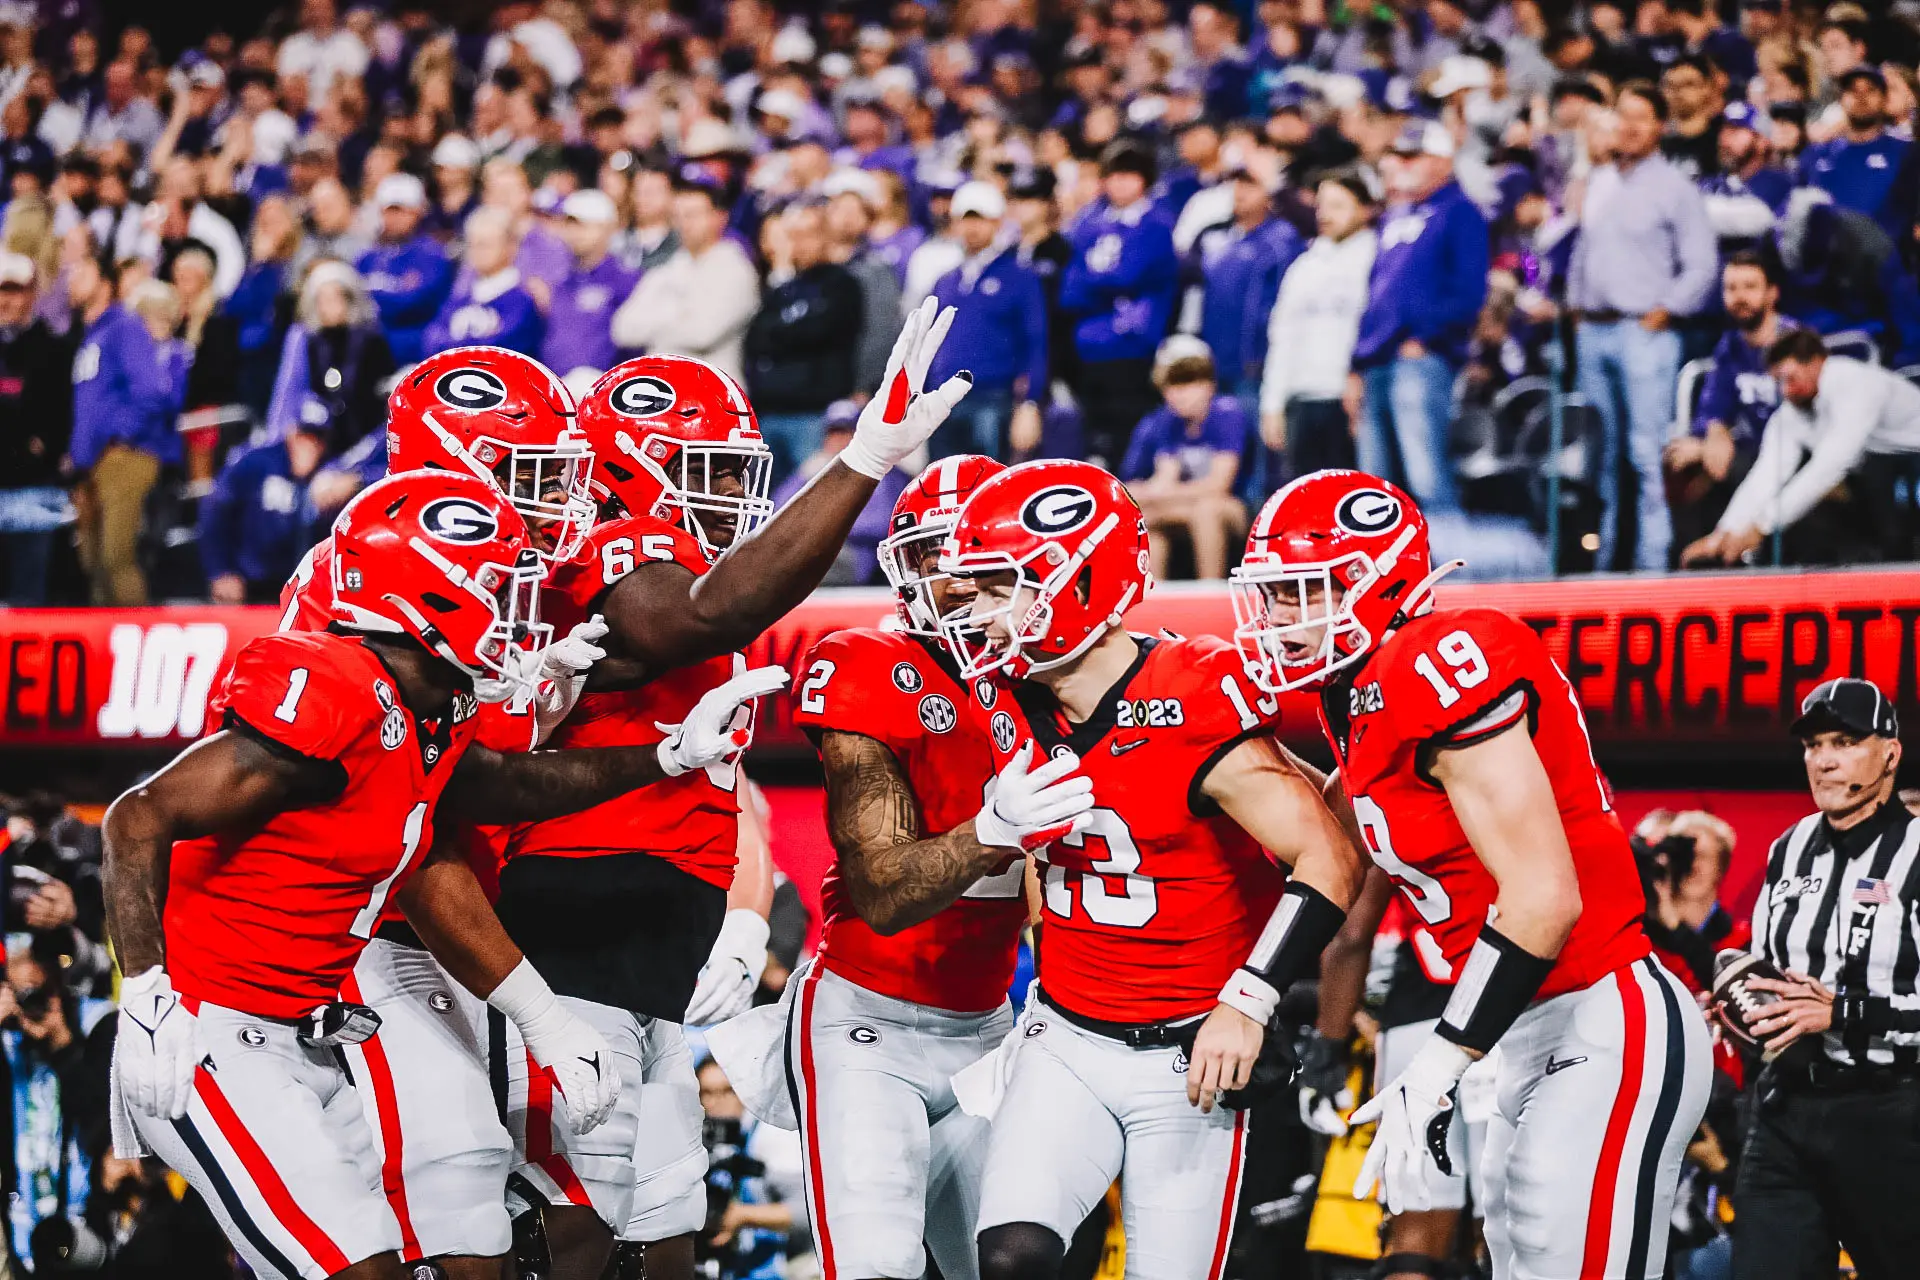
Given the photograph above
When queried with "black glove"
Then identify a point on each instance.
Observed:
(1325, 1067)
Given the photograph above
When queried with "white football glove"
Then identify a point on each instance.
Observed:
(1414, 1113)
(732, 972)
(1028, 810)
(582, 1064)
(903, 415)
(159, 1046)
(563, 673)
(720, 724)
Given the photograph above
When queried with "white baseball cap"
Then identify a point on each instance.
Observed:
(591, 205)
(982, 199)
(16, 268)
(456, 151)
(1460, 72)
(850, 181)
(1423, 138)
(784, 103)
(400, 191)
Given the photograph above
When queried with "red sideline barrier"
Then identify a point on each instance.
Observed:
(1700, 658)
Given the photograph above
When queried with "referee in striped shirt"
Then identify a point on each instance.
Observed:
(1833, 1154)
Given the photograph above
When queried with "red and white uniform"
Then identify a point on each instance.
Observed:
(885, 1022)
(444, 1152)
(263, 927)
(1146, 916)
(1601, 1083)
(618, 906)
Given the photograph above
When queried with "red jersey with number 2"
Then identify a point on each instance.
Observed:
(1150, 909)
(692, 821)
(890, 687)
(1454, 678)
(270, 920)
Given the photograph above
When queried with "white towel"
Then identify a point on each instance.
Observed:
(752, 1049)
(978, 1087)
(127, 1142)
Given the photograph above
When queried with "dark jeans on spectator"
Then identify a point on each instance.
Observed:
(1114, 396)
(1318, 437)
(978, 424)
(27, 558)
(1829, 1169)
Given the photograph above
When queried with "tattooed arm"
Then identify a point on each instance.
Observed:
(895, 877)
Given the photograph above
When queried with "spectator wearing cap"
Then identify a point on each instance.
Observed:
(1739, 394)
(1428, 284)
(490, 302)
(700, 301)
(1119, 289)
(1862, 168)
(456, 194)
(1748, 193)
(36, 420)
(1044, 251)
(999, 331)
(124, 401)
(1183, 463)
(255, 526)
(939, 250)
(1646, 257)
(1315, 322)
(406, 271)
(851, 196)
(1694, 106)
(857, 562)
(1241, 263)
(1838, 420)
(801, 345)
(580, 321)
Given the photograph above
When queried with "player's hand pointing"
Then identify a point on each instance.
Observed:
(904, 415)
(158, 1046)
(1029, 810)
(1224, 1051)
(720, 724)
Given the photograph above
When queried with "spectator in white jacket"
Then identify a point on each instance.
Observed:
(698, 302)
(1304, 412)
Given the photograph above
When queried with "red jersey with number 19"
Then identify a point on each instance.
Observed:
(691, 822)
(269, 921)
(892, 688)
(1150, 910)
(1454, 678)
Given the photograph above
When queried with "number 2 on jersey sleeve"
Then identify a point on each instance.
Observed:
(812, 696)
(1428, 896)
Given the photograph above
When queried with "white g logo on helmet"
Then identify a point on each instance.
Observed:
(471, 389)
(643, 396)
(1367, 511)
(1060, 509)
(459, 520)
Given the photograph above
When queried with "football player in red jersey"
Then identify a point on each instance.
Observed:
(923, 911)
(244, 879)
(625, 905)
(1465, 761)
(1165, 938)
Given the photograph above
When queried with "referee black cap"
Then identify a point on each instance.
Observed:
(1849, 704)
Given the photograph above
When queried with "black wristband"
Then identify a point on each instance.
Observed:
(1498, 982)
(1857, 1012)
(1301, 926)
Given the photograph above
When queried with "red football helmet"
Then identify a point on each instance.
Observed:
(666, 433)
(444, 558)
(1064, 529)
(922, 518)
(1346, 553)
(497, 414)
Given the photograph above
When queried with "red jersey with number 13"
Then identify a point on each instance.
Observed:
(890, 687)
(1454, 678)
(1150, 910)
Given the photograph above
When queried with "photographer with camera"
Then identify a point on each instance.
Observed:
(756, 1196)
(1683, 860)
(1829, 993)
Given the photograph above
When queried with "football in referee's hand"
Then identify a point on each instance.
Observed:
(1737, 1003)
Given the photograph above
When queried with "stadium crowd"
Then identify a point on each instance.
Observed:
(1211, 248)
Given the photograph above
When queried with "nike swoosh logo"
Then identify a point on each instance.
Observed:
(593, 1062)
(1121, 748)
(1562, 1064)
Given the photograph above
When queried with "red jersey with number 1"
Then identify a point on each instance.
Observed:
(693, 821)
(270, 920)
(1454, 678)
(892, 688)
(1149, 911)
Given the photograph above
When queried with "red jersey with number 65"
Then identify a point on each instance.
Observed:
(894, 689)
(1450, 679)
(692, 821)
(1150, 909)
(270, 920)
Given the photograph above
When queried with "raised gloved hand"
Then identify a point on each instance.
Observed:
(158, 1046)
(563, 673)
(904, 415)
(1031, 809)
(1414, 1112)
(582, 1065)
(732, 972)
(720, 724)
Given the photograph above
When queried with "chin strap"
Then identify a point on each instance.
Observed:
(1420, 599)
